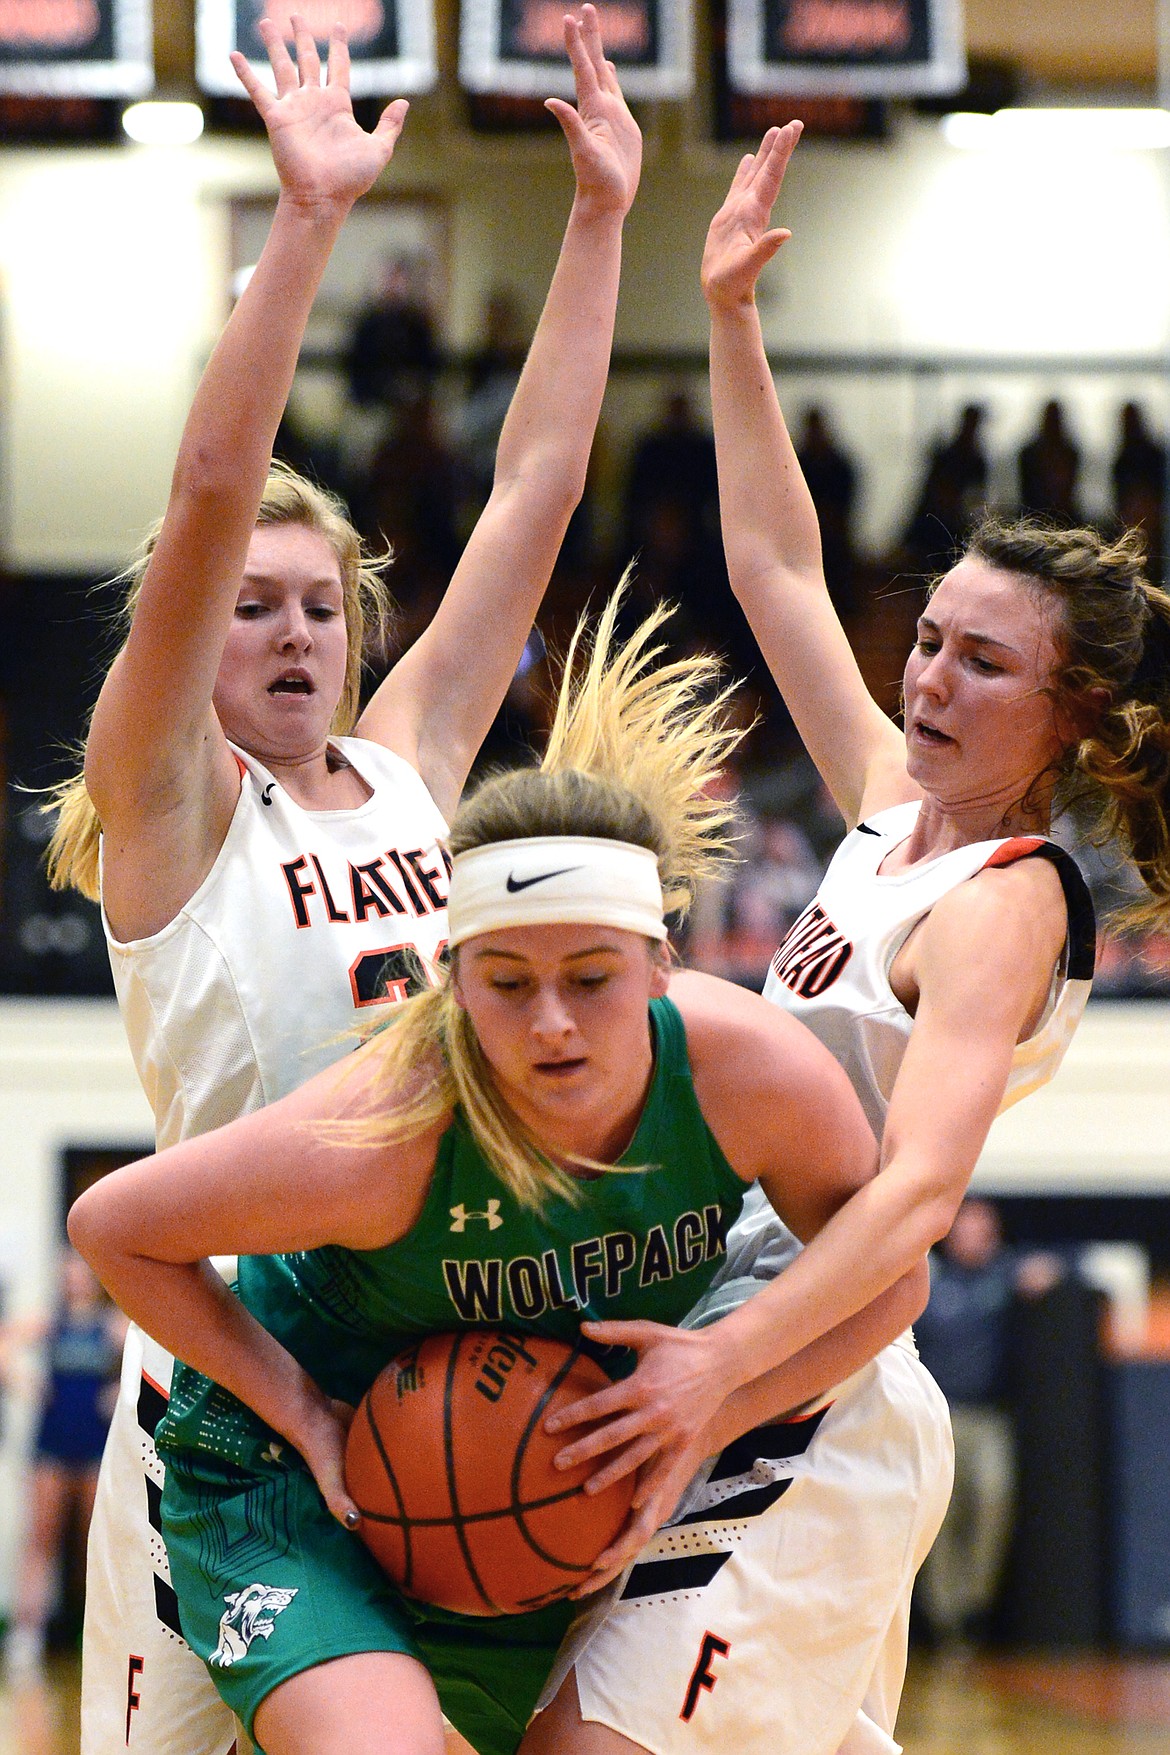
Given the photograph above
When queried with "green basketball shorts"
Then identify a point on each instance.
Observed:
(269, 1584)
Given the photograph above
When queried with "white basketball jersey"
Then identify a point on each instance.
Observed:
(305, 919)
(833, 969)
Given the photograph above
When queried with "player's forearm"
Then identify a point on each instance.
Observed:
(227, 441)
(824, 1363)
(880, 1235)
(548, 434)
(770, 527)
(188, 1310)
(541, 465)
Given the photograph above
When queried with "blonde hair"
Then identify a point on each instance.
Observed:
(634, 748)
(288, 498)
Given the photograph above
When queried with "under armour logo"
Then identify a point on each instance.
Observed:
(266, 795)
(460, 1216)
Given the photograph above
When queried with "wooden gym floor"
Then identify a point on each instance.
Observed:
(993, 1706)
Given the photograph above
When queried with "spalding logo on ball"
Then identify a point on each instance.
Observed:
(452, 1470)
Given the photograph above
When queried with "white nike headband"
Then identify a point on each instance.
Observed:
(550, 879)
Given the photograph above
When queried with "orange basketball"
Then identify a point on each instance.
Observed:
(452, 1470)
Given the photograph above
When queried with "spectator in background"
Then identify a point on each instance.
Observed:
(1139, 482)
(832, 481)
(409, 502)
(1049, 470)
(739, 919)
(952, 496)
(670, 519)
(670, 529)
(391, 363)
(964, 459)
(964, 1339)
(392, 356)
(81, 1350)
(493, 371)
(673, 463)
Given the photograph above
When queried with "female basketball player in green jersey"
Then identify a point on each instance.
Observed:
(552, 1076)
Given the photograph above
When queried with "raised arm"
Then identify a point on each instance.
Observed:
(437, 704)
(268, 1183)
(770, 530)
(157, 766)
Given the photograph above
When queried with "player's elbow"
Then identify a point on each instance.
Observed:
(553, 474)
(88, 1229)
(856, 1160)
(852, 1164)
(933, 1214)
(913, 1293)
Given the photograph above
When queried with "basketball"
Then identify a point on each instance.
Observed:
(448, 1461)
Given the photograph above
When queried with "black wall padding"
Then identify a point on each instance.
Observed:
(1056, 1595)
(1139, 1503)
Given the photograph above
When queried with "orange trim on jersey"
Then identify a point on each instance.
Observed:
(1019, 847)
(799, 1419)
(157, 1387)
(241, 765)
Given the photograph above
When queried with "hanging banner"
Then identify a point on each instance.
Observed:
(391, 42)
(76, 48)
(846, 48)
(517, 47)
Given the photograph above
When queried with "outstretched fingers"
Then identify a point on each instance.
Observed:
(750, 163)
(283, 67)
(337, 70)
(252, 84)
(575, 131)
(584, 70)
(603, 71)
(308, 60)
(390, 122)
(776, 150)
(599, 1404)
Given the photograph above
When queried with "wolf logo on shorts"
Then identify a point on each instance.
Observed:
(244, 1620)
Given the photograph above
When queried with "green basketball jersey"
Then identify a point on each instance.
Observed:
(643, 1240)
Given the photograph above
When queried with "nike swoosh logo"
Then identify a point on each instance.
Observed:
(515, 885)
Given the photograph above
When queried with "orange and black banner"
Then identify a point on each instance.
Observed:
(76, 48)
(846, 48)
(391, 42)
(516, 48)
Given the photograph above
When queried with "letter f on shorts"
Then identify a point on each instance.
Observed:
(702, 1675)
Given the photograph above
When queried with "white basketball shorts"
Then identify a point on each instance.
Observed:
(771, 1618)
(142, 1687)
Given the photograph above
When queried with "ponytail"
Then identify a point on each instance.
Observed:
(1112, 682)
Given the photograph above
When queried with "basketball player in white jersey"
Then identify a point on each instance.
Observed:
(946, 961)
(264, 880)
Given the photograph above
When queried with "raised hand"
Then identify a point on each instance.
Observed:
(322, 155)
(739, 242)
(604, 140)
